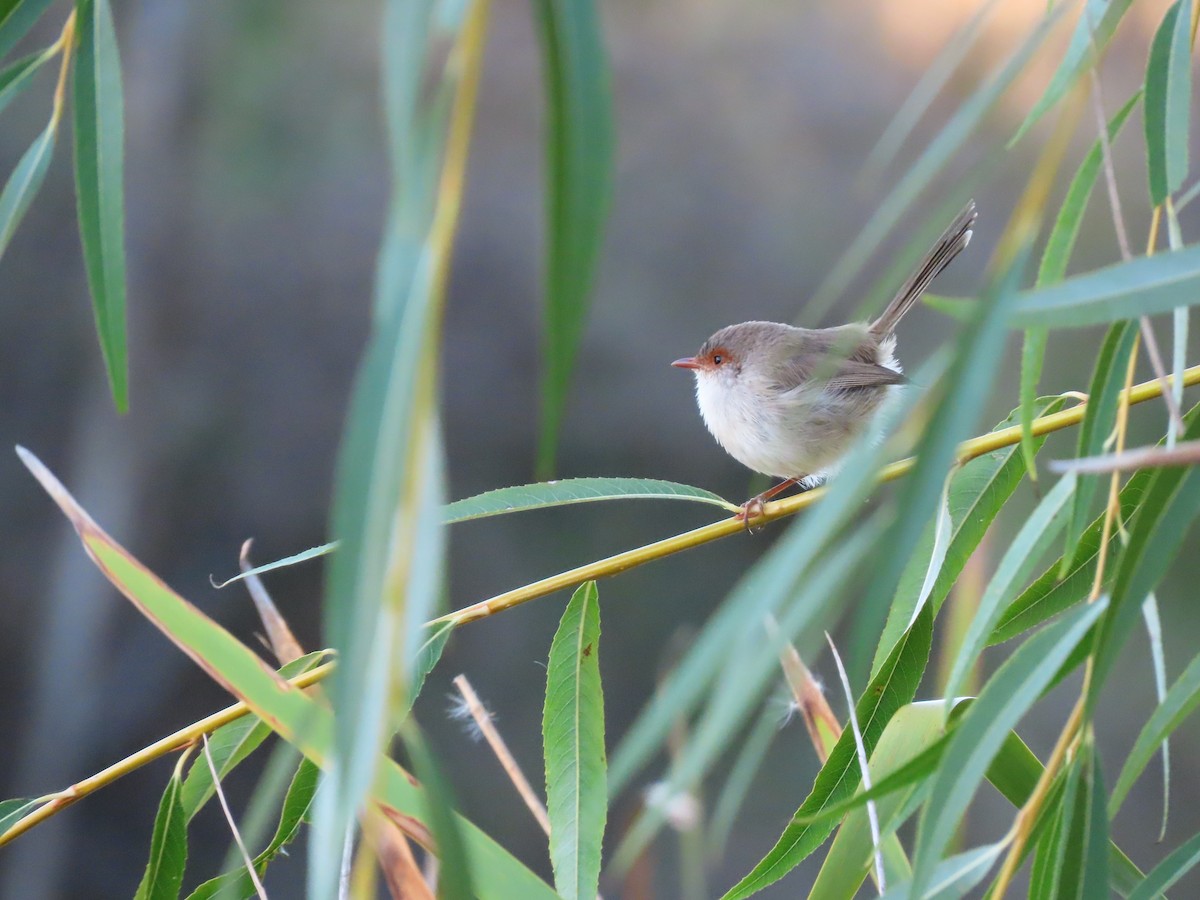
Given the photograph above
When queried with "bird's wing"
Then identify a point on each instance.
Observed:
(836, 368)
(853, 373)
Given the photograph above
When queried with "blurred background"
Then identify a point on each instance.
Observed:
(256, 184)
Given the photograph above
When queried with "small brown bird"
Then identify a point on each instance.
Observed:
(791, 402)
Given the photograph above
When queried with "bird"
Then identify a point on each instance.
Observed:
(791, 402)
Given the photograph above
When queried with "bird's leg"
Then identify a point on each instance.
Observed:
(753, 508)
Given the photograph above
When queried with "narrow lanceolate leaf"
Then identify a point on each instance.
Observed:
(1142, 286)
(16, 18)
(24, 182)
(1083, 854)
(891, 688)
(579, 172)
(294, 813)
(1168, 98)
(18, 76)
(386, 576)
(573, 736)
(1046, 874)
(1180, 861)
(1053, 268)
(294, 559)
(1098, 20)
(1181, 701)
(983, 729)
(1035, 534)
(168, 846)
(1108, 379)
(296, 717)
(576, 490)
(100, 182)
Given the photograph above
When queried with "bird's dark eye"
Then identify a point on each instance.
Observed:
(718, 359)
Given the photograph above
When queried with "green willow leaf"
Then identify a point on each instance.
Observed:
(297, 804)
(1168, 98)
(17, 17)
(573, 736)
(24, 182)
(1050, 853)
(168, 847)
(579, 175)
(1083, 871)
(1104, 393)
(19, 75)
(983, 729)
(303, 556)
(1035, 534)
(1177, 864)
(389, 477)
(890, 689)
(1097, 21)
(1053, 268)
(1181, 701)
(1142, 286)
(100, 182)
(576, 490)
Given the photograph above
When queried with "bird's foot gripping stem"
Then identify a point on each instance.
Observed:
(752, 509)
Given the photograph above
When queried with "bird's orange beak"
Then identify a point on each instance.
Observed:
(688, 362)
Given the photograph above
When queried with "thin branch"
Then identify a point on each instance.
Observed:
(237, 835)
(1185, 454)
(483, 720)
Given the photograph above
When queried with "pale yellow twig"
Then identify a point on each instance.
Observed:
(483, 720)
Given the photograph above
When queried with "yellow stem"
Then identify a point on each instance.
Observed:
(968, 450)
(185, 737)
(65, 44)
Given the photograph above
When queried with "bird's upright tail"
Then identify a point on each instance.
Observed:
(952, 242)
